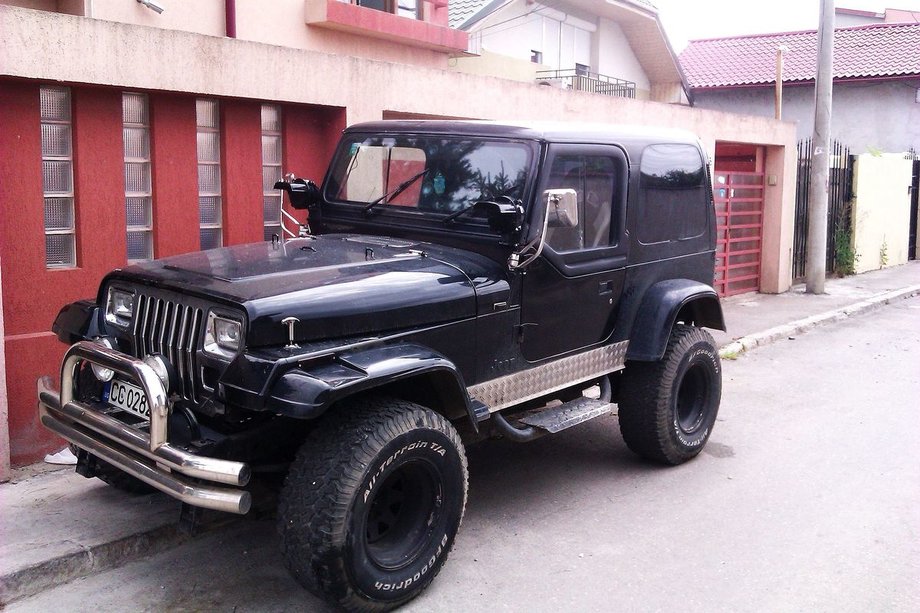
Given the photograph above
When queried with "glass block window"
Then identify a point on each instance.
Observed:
(209, 205)
(271, 169)
(57, 177)
(138, 201)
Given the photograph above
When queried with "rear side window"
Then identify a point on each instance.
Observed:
(672, 203)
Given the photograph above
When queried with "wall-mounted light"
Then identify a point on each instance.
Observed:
(153, 5)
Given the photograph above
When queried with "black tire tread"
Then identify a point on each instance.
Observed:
(643, 407)
(318, 477)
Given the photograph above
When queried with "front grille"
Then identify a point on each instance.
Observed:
(170, 329)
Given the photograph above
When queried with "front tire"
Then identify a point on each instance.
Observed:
(667, 408)
(372, 504)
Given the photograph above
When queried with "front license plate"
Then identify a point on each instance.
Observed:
(130, 398)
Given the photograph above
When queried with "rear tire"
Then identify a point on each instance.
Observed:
(667, 408)
(372, 504)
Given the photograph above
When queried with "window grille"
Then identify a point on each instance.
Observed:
(138, 191)
(209, 195)
(271, 169)
(57, 177)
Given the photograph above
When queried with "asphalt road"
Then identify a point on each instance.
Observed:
(807, 498)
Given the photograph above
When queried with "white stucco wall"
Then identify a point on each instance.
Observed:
(881, 210)
(488, 63)
(879, 115)
(615, 58)
(842, 20)
(561, 35)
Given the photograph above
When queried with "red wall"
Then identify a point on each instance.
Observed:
(32, 294)
(174, 166)
(308, 141)
(241, 173)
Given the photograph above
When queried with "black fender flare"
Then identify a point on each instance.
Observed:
(409, 370)
(665, 303)
(78, 321)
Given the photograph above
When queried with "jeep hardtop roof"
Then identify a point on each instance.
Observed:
(632, 137)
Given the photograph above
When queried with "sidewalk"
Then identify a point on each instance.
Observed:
(56, 526)
(759, 319)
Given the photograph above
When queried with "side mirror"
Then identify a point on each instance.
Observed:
(302, 193)
(561, 208)
(504, 214)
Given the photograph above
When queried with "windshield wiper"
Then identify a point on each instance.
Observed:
(462, 211)
(499, 199)
(396, 191)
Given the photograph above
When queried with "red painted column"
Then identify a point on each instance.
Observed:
(32, 294)
(99, 185)
(241, 178)
(22, 235)
(174, 155)
(309, 138)
(22, 243)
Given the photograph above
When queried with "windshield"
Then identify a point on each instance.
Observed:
(427, 174)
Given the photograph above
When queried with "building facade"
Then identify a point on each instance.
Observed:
(616, 48)
(876, 97)
(125, 137)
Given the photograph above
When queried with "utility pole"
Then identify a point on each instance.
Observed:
(816, 255)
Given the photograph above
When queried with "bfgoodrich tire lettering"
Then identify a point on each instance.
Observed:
(372, 504)
(667, 408)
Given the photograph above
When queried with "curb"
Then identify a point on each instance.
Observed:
(32, 580)
(35, 579)
(737, 347)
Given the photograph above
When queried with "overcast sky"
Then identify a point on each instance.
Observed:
(693, 19)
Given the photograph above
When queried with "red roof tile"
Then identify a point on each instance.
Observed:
(871, 51)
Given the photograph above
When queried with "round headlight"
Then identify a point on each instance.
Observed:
(101, 373)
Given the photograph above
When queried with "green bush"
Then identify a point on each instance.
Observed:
(845, 255)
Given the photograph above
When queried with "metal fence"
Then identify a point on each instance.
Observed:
(583, 81)
(840, 192)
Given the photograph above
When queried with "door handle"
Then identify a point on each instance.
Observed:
(605, 287)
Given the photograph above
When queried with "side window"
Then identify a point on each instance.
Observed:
(592, 177)
(673, 201)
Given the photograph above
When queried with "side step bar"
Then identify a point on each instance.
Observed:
(553, 419)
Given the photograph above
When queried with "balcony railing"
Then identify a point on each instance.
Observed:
(584, 81)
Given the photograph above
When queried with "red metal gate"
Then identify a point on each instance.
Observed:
(739, 230)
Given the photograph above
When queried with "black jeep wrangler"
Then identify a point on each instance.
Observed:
(458, 280)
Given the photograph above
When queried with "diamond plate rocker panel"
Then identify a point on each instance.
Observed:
(547, 378)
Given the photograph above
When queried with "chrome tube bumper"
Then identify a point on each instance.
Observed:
(147, 457)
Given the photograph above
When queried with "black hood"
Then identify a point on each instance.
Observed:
(335, 285)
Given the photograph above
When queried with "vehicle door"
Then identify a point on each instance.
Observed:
(572, 292)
